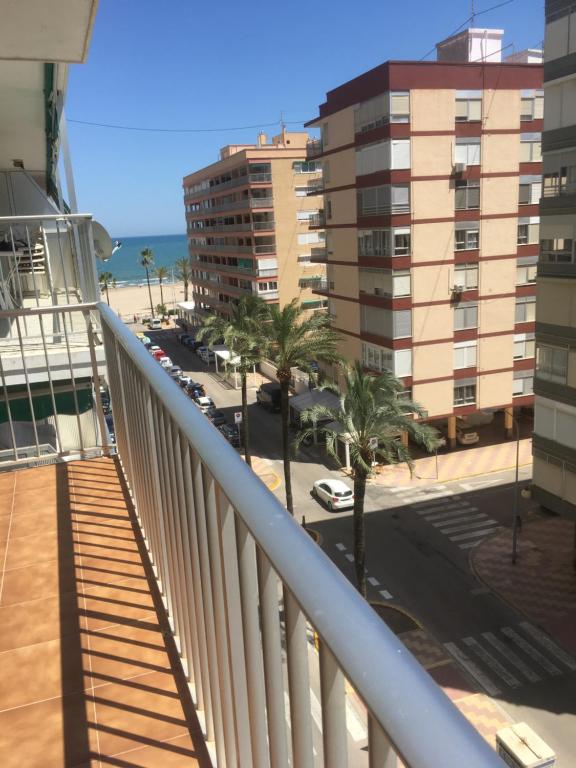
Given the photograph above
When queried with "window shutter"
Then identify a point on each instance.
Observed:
(474, 109)
(402, 324)
(461, 109)
(400, 103)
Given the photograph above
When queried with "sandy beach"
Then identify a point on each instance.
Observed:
(134, 300)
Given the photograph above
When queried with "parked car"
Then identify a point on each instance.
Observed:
(205, 403)
(466, 436)
(158, 354)
(166, 362)
(153, 348)
(268, 396)
(155, 324)
(110, 426)
(192, 344)
(231, 434)
(205, 354)
(216, 417)
(195, 389)
(182, 337)
(334, 493)
(183, 381)
(175, 372)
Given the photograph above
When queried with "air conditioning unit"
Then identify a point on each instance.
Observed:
(460, 167)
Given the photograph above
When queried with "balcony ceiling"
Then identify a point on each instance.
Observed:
(22, 121)
(46, 30)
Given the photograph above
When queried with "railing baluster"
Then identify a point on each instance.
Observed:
(380, 752)
(299, 683)
(333, 697)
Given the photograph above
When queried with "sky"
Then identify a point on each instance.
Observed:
(229, 64)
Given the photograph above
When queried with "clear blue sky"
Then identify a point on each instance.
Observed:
(193, 64)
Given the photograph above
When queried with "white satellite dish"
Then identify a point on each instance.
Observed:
(103, 246)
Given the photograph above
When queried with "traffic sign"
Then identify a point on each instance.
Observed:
(238, 417)
(373, 443)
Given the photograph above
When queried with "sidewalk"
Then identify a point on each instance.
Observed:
(465, 462)
(542, 584)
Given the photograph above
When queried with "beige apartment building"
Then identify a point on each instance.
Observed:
(554, 443)
(249, 222)
(432, 179)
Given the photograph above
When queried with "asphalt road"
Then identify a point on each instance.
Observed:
(418, 547)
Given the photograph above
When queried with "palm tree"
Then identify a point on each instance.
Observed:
(370, 408)
(242, 334)
(184, 273)
(107, 279)
(147, 261)
(295, 341)
(161, 273)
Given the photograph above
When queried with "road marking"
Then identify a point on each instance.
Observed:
(373, 581)
(349, 557)
(469, 545)
(469, 526)
(427, 501)
(450, 518)
(531, 651)
(483, 532)
(492, 662)
(473, 669)
(385, 594)
(341, 547)
(354, 725)
(401, 489)
(442, 508)
(480, 484)
(551, 647)
(456, 513)
(515, 660)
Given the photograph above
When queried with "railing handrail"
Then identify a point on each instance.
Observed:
(46, 217)
(424, 727)
(51, 310)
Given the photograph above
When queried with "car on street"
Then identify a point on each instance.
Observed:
(192, 344)
(166, 362)
(268, 396)
(155, 324)
(157, 354)
(216, 417)
(205, 403)
(195, 389)
(334, 493)
(205, 354)
(175, 372)
(231, 434)
(184, 381)
(183, 337)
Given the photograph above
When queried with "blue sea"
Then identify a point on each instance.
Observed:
(125, 263)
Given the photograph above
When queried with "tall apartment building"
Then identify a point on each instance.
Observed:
(555, 383)
(432, 178)
(249, 219)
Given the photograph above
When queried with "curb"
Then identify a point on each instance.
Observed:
(434, 481)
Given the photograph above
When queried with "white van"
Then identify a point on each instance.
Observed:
(155, 324)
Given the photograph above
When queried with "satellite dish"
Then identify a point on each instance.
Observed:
(103, 246)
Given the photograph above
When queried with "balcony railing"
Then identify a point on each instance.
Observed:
(318, 284)
(227, 248)
(314, 148)
(245, 202)
(317, 219)
(252, 178)
(318, 254)
(315, 187)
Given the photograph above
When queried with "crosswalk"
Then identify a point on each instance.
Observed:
(450, 514)
(511, 657)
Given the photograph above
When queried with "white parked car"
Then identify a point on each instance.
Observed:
(205, 354)
(155, 324)
(205, 403)
(166, 362)
(334, 493)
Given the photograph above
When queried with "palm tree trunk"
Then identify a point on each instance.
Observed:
(359, 537)
(185, 290)
(107, 296)
(245, 431)
(161, 292)
(149, 292)
(286, 444)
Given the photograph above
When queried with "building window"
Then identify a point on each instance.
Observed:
(310, 237)
(400, 106)
(384, 242)
(524, 346)
(557, 250)
(525, 309)
(465, 392)
(385, 322)
(468, 106)
(552, 363)
(391, 107)
(383, 156)
(467, 151)
(307, 166)
(530, 188)
(465, 354)
(465, 316)
(523, 383)
(556, 421)
(466, 276)
(305, 215)
(271, 285)
(301, 191)
(532, 105)
(385, 282)
(530, 147)
(304, 258)
(389, 198)
(528, 230)
(562, 182)
(467, 235)
(526, 272)
(467, 194)
(379, 359)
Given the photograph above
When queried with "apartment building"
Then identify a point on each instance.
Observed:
(432, 178)
(555, 383)
(249, 220)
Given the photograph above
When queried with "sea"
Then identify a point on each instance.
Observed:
(125, 263)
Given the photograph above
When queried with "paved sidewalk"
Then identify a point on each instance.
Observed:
(542, 584)
(265, 472)
(455, 465)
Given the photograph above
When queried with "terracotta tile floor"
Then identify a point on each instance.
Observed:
(88, 673)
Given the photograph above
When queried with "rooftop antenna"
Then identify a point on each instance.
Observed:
(472, 13)
(282, 123)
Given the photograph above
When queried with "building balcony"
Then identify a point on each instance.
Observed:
(314, 148)
(315, 187)
(157, 605)
(252, 178)
(317, 219)
(318, 254)
(319, 285)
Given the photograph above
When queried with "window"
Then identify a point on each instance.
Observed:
(385, 322)
(528, 230)
(526, 270)
(560, 182)
(305, 215)
(556, 421)
(310, 237)
(400, 107)
(383, 156)
(384, 242)
(379, 359)
(524, 346)
(468, 106)
(523, 383)
(271, 285)
(532, 105)
(525, 309)
(530, 147)
(558, 250)
(466, 276)
(465, 392)
(467, 151)
(467, 235)
(385, 282)
(467, 194)
(391, 107)
(307, 166)
(530, 188)
(552, 363)
(304, 258)
(402, 321)
(394, 198)
(301, 191)
(465, 316)
(465, 354)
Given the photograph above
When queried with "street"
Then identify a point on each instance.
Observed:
(418, 545)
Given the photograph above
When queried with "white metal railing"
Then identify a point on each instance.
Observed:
(252, 178)
(239, 576)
